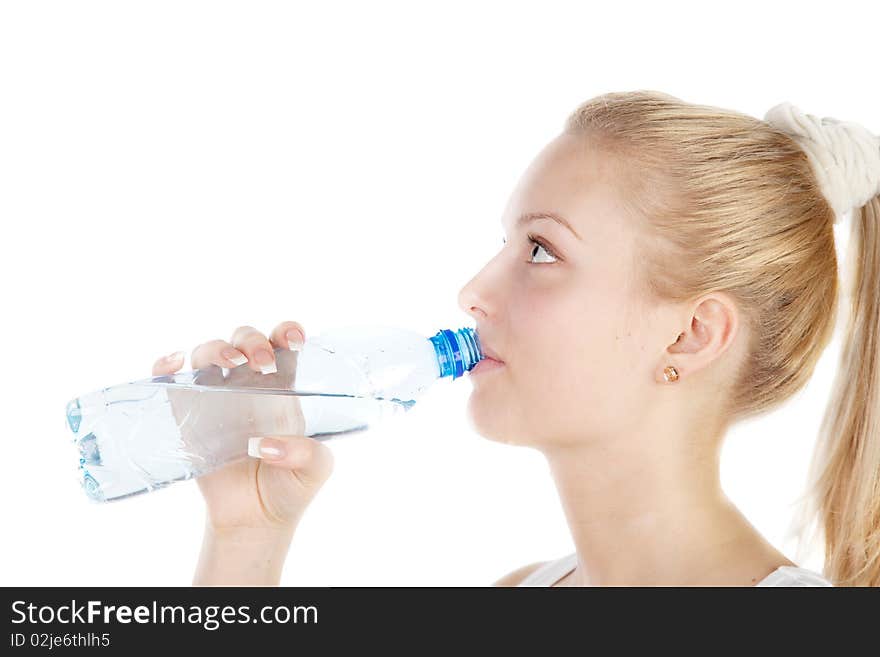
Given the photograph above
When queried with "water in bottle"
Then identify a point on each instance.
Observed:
(143, 435)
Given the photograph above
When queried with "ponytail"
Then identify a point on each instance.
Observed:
(843, 498)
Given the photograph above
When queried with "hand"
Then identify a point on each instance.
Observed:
(259, 494)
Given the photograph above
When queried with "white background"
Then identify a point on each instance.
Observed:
(172, 170)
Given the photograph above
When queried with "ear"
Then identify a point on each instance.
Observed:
(713, 326)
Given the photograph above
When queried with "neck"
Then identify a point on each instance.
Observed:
(648, 510)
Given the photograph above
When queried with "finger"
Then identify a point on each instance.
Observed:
(309, 459)
(168, 364)
(288, 335)
(217, 352)
(257, 348)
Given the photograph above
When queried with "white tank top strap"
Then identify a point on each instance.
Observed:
(794, 576)
(550, 572)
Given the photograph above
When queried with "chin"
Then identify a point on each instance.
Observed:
(493, 422)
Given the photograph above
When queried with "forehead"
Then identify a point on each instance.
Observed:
(572, 178)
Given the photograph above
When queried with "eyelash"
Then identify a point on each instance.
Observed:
(535, 240)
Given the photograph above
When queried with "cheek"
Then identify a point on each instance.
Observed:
(583, 364)
(575, 332)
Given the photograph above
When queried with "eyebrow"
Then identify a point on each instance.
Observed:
(532, 216)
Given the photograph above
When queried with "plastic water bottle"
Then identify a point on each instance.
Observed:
(143, 435)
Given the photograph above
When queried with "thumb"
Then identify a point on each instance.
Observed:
(309, 459)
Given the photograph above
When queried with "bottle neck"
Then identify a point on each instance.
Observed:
(457, 351)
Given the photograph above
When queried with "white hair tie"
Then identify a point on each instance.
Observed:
(844, 155)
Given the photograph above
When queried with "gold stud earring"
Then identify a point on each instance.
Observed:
(670, 373)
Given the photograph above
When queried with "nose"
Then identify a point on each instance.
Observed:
(469, 302)
(471, 298)
(480, 295)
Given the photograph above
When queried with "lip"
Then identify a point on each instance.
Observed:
(485, 365)
(488, 353)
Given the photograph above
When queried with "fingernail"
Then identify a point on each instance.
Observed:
(294, 341)
(265, 448)
(234, 356)
(175, 356)
(265, 361)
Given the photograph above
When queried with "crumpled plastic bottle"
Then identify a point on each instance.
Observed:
(143, 435)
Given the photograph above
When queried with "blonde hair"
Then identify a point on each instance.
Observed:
(731, 203)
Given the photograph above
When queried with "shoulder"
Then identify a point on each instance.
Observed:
(513, 578)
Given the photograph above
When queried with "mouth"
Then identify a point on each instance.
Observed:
(486, 364)
(488, 354)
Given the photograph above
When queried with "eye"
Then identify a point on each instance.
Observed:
(539, 243)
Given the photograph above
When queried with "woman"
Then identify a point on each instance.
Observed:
(668, 269)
